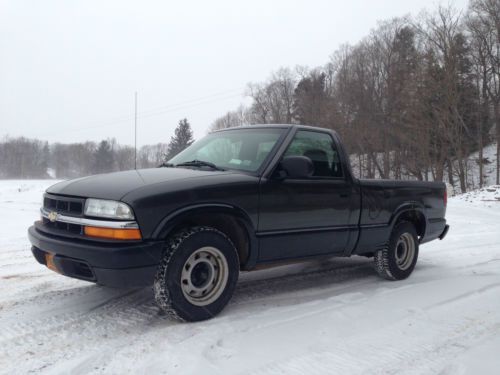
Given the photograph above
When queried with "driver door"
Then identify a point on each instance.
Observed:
(307, 216)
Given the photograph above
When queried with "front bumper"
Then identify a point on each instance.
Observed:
(116, 264)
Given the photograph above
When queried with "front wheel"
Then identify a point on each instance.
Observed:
(197, 275)
(397, 260)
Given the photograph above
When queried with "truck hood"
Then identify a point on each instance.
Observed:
(116, 185)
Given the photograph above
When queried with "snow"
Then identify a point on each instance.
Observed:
(488, 196)
(489, 171)
(333, 316)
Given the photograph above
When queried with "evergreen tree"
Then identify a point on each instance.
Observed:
(310, 99)
(182, 138)
(103, 161)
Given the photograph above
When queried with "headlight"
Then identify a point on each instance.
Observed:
(109, 209)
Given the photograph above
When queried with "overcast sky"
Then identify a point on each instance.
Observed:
(69, 69)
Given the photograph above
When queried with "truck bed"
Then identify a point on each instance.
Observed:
(383, 200)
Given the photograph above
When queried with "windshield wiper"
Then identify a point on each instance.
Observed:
(166, 165)
(199, 163)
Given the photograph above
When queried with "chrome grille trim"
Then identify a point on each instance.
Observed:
(90, 222)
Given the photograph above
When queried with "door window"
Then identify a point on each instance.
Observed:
(320, 148)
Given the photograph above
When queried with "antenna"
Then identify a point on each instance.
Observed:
(135, 137)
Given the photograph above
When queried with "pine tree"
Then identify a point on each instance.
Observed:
(104, 158)
(182, 138)
(310, 100)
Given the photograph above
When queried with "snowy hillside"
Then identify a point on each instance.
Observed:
(334, 317)
(472, 179)
(489, 173)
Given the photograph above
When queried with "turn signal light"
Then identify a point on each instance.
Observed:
(113, 234)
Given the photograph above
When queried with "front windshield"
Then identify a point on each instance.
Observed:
(243, 149)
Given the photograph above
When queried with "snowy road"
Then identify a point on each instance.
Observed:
(337, 317)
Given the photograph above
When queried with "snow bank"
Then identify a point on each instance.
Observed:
(488, 196)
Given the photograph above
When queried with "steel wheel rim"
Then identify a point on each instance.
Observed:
(405, 251)
(204, 276)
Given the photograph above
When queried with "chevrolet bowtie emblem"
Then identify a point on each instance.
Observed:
(52, 216)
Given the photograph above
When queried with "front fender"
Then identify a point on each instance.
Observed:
(173, 219)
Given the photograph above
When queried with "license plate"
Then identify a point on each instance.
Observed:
(49, 261)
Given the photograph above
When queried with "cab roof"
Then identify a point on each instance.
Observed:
(279, 126)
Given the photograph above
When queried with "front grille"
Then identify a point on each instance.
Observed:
(64, 205)
(67, 206)
(59, 225)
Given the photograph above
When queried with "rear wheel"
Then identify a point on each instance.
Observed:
(197, 275)
(397, 260)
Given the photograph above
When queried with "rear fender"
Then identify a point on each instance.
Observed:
(405, 209)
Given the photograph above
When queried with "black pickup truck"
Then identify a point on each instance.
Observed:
(234, 200)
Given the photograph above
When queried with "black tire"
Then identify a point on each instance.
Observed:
(397, 260)
(195, 259)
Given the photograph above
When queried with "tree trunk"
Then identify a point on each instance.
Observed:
(387, 163)
(397, 165)
(498, 160)
(360, 166)
(461, 175)
(483, 124)
(496, 121)
(450, 172)
(439, 171)
(497, 124)
(481, 182)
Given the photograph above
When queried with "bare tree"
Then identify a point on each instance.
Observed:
(273, 99)
(231, 119)
(484, 17)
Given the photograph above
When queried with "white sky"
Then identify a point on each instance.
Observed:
(69, 69)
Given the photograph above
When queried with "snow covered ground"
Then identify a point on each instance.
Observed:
(335, 317)
(489, 171)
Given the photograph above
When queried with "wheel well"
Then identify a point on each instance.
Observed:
(228, 224)
(416, 218)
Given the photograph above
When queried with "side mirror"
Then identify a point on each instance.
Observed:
(297, 166)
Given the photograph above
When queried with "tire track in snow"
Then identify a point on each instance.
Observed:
(68, 334)
(27, 331)
(466, 295)
(425, 351)
(316, 280)
(135, 309)
(247, 292)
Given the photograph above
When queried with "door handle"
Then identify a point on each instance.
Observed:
(344, 195)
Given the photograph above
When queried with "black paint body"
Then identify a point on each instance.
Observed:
(283, 219)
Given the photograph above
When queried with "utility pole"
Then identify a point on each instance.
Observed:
(135, 137)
